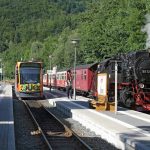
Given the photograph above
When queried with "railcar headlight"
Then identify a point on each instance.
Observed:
(141, 85)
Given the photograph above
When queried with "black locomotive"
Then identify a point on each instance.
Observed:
(133, 79)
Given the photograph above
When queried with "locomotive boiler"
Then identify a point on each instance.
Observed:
(133, 81)
(135, 84)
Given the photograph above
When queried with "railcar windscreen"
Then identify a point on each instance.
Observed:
(29, 75)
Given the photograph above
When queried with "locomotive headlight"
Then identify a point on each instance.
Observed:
(141, 85)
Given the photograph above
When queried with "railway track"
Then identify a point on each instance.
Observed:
(55, 133)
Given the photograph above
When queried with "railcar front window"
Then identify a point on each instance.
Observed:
(29, 75)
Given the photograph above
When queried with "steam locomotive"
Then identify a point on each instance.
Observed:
(133, 84)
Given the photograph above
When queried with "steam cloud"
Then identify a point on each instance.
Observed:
(147, 30)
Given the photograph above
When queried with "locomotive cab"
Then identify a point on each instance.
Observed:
(106, 84)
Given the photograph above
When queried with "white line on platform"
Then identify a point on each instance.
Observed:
(135, 116)
(6, 122)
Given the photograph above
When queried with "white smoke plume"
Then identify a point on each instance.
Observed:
(146, 29)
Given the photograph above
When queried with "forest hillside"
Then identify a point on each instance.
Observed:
(38, 29)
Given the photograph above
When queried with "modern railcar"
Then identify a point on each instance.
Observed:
(29, 79)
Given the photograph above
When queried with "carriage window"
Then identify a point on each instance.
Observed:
(57, 77)
(62, 76)
(65, 76)
(84, 77)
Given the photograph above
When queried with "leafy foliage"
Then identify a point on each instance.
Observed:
(46, 27)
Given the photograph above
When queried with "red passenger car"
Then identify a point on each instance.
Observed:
(52, 80)
(61, 78)
(45, 79)
(85, 79)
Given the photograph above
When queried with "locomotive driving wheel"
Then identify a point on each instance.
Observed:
(126, 98)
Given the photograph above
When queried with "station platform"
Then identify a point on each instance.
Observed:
(126, 130)
(7, 137)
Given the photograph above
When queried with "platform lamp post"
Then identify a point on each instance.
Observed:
(75, 42)
(116, 82)
(117, 62)
(3, 73)
(50, 68)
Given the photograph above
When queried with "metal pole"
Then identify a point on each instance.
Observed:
(31, 55)
(50, 69)
(75, 42)
(2, 71)
(51, 64)
(75, 73)
(116, 71)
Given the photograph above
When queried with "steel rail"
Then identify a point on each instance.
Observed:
(69, 130)
(38, 126)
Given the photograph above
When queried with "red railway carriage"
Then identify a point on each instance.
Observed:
(45, 79)
(49, 78)
(56, 79)
(61, 78)
(52, 79)
(85, 79)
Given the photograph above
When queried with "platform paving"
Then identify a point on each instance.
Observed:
(7, 138)
(127, 130)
